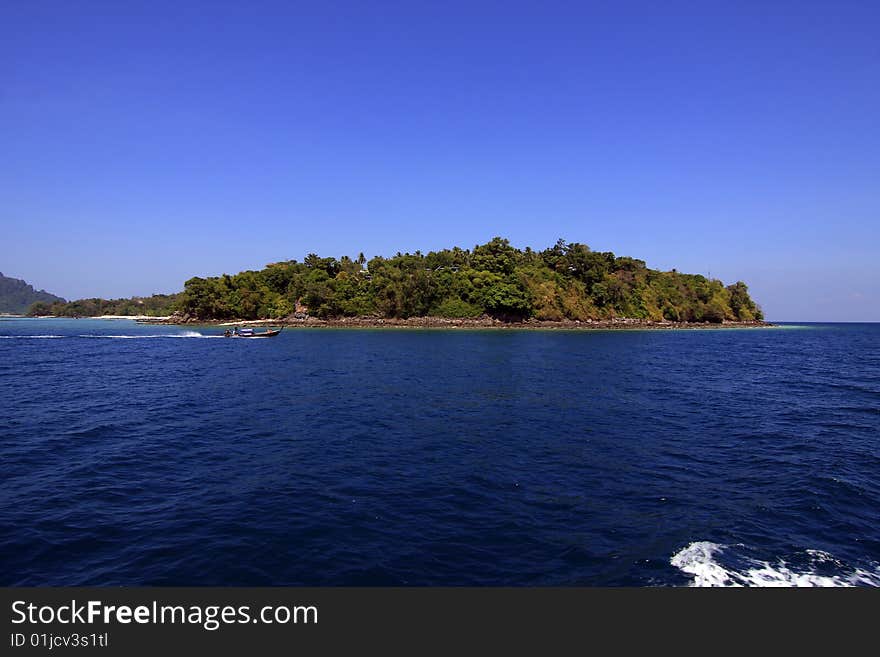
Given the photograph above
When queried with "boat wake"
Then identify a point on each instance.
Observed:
(711, 564)
(185, 334)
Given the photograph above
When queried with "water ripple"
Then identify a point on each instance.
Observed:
(431, 457)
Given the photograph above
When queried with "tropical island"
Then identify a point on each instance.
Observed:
(491, 284)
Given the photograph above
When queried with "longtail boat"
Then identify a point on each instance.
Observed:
(250, 333)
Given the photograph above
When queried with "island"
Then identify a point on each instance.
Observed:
(567, 285)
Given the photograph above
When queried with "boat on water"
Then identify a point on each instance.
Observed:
(248, 332)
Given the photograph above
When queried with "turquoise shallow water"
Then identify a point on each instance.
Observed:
(138, 454)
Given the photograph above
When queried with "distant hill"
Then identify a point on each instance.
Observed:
(16, 295)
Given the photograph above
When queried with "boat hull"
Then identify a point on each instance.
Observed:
(252, 336)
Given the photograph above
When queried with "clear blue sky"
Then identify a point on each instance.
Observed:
(144, 143)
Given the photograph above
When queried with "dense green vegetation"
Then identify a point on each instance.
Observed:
(16, 295)
(157, 305)
(565, 281)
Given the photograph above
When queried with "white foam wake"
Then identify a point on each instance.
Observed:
(29, 337)
(702, 560)
(184, 334)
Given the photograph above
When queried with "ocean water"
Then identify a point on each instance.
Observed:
(158, 455)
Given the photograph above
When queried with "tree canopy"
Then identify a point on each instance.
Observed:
(565, 281)
(155, 306)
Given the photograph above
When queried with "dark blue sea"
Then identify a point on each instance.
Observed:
(157, 455)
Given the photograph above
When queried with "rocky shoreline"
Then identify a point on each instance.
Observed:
(449, 323)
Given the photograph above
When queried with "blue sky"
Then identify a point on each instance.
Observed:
(145, 143)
